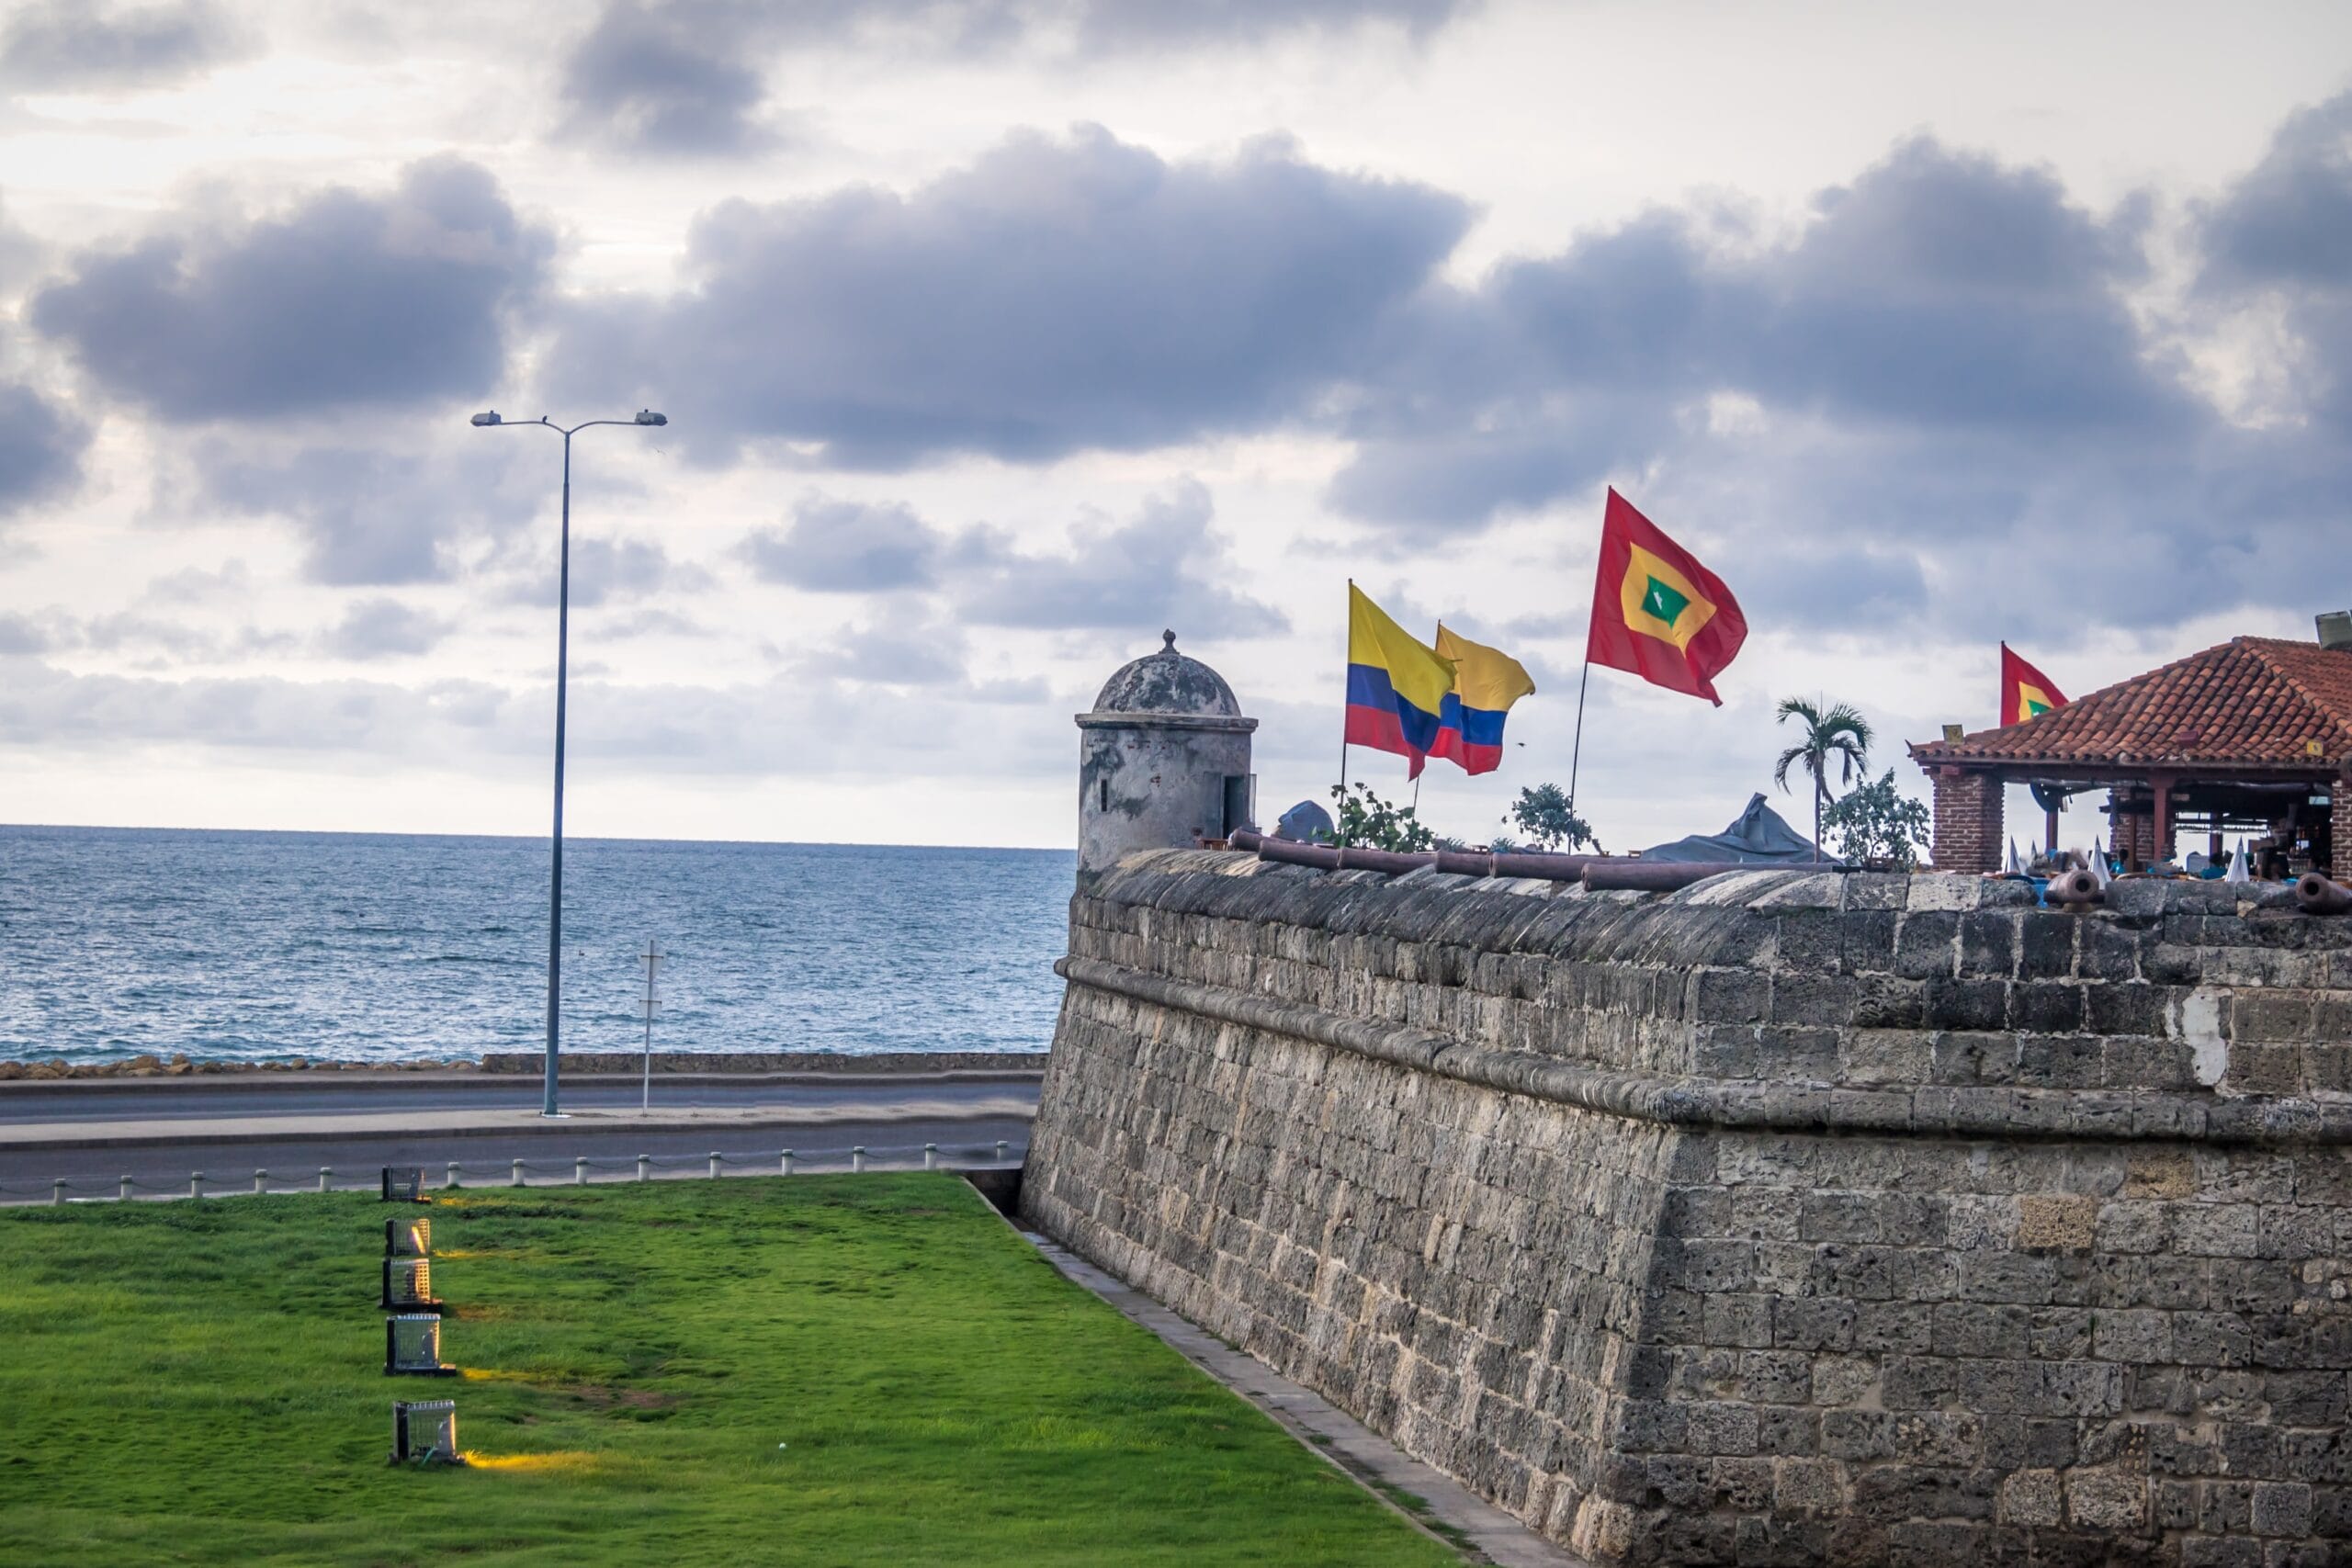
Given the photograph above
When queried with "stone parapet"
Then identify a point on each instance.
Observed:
(1796, 1217)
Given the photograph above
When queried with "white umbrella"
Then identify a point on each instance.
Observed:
(2238, 872)
(2098, 864)
(2017, 861)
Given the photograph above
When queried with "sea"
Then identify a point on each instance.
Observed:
(381, 947)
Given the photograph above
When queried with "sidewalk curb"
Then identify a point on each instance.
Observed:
(536, 1127)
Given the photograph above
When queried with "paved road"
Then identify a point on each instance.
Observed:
(147, 1100)
(26, 1175)
(158, 1132)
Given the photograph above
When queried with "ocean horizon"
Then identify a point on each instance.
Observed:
(238, 944)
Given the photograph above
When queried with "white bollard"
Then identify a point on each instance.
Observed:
(931, 1156)
(714, 1165)
(325, 1173)
(858, 1157)
(261, 1182)
(645, 1168)
(517, 1179)
(787, 1163)
(124, 1195)
(196, 1184)
(454, 1175)
(580, 1172)
(1000, 1146)
(57, 1191)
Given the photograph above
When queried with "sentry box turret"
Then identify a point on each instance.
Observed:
(408, 1238)
(408, 1285)
(425, 1431)
(412, 1346)
(404, 1184)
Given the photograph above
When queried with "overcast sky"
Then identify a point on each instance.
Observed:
(997, 335)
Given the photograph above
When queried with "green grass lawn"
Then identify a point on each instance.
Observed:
(820, 1370)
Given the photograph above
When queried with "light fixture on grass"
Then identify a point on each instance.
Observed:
(425, 1431)
(404, 1184)
(408, 1285)
(412, 1346)
(408, 1238)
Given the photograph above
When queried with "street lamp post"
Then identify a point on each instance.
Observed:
(563, 653)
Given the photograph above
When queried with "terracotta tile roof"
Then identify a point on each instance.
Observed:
(2252, 702)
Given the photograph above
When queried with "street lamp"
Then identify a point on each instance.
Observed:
(562, 648)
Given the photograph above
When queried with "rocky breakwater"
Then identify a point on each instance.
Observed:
(1796, 1217)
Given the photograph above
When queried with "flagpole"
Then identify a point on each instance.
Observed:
(1340, 805)
(1576, 751)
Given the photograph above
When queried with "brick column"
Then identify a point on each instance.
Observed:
(2123, 833)
(1968, 820)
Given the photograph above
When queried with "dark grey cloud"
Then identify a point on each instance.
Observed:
(41, 443)
(351, 299)
(376, 516)
(902, 651)
(1938, 292)
(69, 44)
(1164, 567)
(384, 628)
(606, 571)
(833, 546)
(672, 78)
(23, 634)
(2282, 235)
(666, 80)
(2289, 220)
(1056, 296)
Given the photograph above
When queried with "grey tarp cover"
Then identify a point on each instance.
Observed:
(1759, 835)
(1304, 823)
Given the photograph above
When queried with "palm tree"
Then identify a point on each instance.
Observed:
(1833, 732)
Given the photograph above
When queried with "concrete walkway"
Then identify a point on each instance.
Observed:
(1454, 1514)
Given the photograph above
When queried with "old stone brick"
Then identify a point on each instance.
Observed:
(2032, 1498)
(2047, 1007)
(1810, 1486)
(2217, 1230)
(2107, 1499)
(1926, 944)
(1844, 1379)
(2046, 1220)
(2123, 1008)
(1802, 1323)
(1969, 1330)
(1979, 1004)
(1886, 1001)
(2138, 1336)
(2281, 1508)
(1886, 1056)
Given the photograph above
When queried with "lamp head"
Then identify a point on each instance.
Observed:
(647, 416)
(489, 418)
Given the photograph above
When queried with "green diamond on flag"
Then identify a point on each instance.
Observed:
(1664, 601)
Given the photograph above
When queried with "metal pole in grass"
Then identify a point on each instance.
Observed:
(57, 1191)
(787, 1167)
(517, 1179)
(325, 1172)
(562, 652)
(858, 1157)
(714, 1165)
(645, 1168)
(454, 1174)
(261, 1182)
(931, 1156)
(123, 1193)
(580, 1172)
(196, 1184)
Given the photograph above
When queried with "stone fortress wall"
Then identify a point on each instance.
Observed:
(1797, 1217)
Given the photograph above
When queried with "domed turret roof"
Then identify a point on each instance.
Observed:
(1168, 683)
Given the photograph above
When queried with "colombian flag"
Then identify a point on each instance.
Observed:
(1485, 682)
(1397, 687)
(1656, 612)
(2025, 691)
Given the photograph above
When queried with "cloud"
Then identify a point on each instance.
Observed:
(901, 649)
(373, 516)
(688, 78)
(742, 730)
(611, 571)
(1162, 568)
(41, 443)
(665, 80)
(349, 301)
(383, 628)
(1057, 294)
(67, 45)
(845, 547)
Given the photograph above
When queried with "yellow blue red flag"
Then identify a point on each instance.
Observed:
(1485, 682)
(1396, 685)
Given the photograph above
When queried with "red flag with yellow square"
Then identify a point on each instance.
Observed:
(1656, 612)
